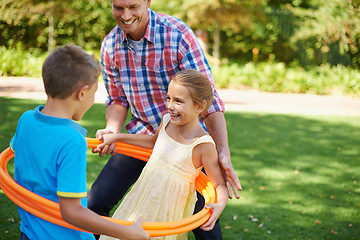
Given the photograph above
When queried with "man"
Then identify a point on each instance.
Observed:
(139, 58)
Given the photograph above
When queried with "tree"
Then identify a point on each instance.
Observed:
(36, 24)
(215, 16)
(327, 22)
(17, 13)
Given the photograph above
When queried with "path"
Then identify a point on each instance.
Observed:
(235, 100)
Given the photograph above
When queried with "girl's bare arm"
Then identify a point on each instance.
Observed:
(207, 153)
(142, 140)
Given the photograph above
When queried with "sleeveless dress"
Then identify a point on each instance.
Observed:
(165, 190)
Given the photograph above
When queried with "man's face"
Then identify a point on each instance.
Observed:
(132, 16)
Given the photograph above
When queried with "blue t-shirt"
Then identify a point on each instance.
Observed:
(50, 160)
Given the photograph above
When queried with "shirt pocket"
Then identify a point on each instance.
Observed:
(160, 76)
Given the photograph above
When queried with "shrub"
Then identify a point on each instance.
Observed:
(265, 76)
(15, 61)
(277, 77)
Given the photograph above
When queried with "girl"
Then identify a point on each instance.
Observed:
(165, 190)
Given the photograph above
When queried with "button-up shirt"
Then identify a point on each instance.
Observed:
(139, 77)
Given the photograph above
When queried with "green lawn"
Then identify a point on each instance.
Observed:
(300, 174)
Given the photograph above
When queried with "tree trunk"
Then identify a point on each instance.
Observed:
(216, 50)
(51, 29)
(217, 42)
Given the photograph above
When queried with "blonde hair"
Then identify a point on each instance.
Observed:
(198, 85)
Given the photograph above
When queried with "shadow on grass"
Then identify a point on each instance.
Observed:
(300, 174)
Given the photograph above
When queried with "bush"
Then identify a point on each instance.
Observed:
(277, 77)
(265, 76)
(15, 61)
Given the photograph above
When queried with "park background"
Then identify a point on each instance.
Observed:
(300, 173)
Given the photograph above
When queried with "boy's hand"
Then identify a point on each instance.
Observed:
(103, 148)
(138, 230)
(215, 210)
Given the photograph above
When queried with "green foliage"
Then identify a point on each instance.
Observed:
(15, 61)
(211, 13)
(300, 174)
(264, 76)
(87, 26)
(326, 32)
(84, 23)
(215, 17)
(328, 22)
(32, 17)
(277, 77)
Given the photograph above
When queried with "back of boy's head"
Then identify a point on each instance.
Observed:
(198, 85)
(68, 68)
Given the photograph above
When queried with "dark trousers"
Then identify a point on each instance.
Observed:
(117, 176)
(23, 236)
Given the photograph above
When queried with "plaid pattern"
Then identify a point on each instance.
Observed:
(140, 79)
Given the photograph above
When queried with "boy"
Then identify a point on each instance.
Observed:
(50, 150)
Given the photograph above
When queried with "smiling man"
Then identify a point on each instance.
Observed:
(139, 58)
(132, 17)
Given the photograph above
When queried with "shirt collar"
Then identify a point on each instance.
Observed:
(150, 29)
(58, 121)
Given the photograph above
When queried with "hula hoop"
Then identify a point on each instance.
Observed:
(50, 211)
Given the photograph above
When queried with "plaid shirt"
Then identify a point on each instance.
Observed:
(139, 78)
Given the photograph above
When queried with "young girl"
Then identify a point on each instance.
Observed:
(165, 190)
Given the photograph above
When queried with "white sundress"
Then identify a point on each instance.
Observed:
(165, 190)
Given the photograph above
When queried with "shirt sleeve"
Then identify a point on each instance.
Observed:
(14, 138)
(111, 77)
(71, 170)
(193, 57)
(12, 144)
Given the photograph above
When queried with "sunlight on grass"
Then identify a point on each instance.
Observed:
(300, 174)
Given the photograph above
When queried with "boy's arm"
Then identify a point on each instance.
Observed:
(208, 155)
(74, 213)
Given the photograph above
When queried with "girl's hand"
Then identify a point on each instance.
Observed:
(215, 210)
(107, 147)
(138, 231)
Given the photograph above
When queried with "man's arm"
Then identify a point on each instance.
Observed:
(115, 117)
(216, 126)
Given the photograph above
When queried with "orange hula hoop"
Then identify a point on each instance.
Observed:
(50, 211)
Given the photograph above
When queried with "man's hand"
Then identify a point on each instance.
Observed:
(107, 149)
(231, 179)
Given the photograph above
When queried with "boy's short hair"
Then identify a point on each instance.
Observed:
(67, 68)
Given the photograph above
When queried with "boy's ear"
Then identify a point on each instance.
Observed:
(81, 93)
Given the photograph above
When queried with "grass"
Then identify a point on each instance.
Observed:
(300, 174)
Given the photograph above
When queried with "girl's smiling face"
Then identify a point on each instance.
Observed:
(180, 105)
